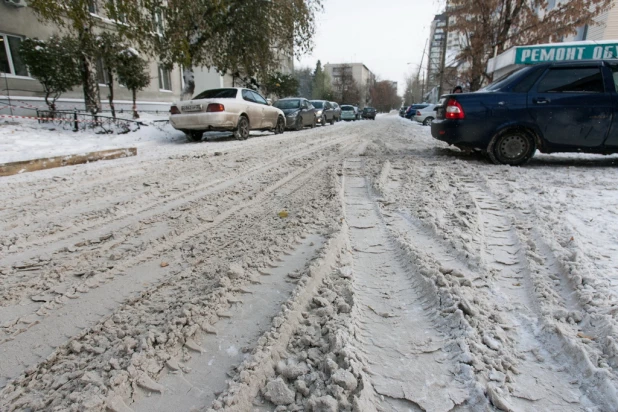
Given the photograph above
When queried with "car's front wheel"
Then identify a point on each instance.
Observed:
(513, 147)
(243, 129)
(194, 135)
(427, 121)
(280, 128)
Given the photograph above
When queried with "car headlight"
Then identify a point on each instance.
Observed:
(319, 113)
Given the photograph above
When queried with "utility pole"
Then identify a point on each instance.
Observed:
(443, 57)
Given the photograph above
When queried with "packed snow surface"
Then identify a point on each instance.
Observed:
(357, 267)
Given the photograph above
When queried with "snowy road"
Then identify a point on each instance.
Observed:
(362, 266)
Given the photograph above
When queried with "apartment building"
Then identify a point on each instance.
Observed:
(18, 22)
(360, 73)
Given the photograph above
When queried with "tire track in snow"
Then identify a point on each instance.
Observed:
(411, 364)
(499, 300)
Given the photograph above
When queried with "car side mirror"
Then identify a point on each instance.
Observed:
(435, 109)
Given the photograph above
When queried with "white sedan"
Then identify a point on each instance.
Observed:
(232, 109)
(426, 115)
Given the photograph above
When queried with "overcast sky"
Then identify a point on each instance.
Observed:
(383, 34)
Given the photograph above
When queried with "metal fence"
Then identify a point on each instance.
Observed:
(80, 121)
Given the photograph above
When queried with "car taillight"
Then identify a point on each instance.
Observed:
(174, 110)
(418, 112)
(215, 107)
(454, 110)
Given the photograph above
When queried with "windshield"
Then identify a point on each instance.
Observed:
(350, 108)
(368, 109)
(287, 104)
(217, 94)
(317, 105)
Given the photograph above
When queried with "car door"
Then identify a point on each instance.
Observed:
(571, 106)
(269, 115)
(612, 82)
(328, 111)
(307, 113)
(254, 110)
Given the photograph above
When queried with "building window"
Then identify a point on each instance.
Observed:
(102, 76)
(165, 79)
(158, 22)
(10, 59)
(92, 6)
(120, 17)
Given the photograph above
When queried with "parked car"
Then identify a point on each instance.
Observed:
(426, 115)
(413, 108)
(325, 112)
(357, 111)
(337, 110)
(299, 112)
(348, 113)
(232, 109)
(550, 107)
(402, 111)
(369, 113)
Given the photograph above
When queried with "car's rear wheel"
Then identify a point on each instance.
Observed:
(280, 128)
(243, 129)
(513, 147)
(427, 121)
(194, 135)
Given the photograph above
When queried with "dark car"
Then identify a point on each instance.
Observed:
(369, 113)
(550, 107)
(299, 112)
(411, 112)
(325, 112)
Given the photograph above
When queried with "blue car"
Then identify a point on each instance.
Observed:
(550, 107)
(411, 112)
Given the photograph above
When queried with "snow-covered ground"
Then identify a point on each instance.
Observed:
(363, 266)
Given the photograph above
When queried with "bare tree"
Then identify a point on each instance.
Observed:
(384, 96)
(488, 27)
(414, 90)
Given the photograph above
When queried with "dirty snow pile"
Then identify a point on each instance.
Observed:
(26, 139)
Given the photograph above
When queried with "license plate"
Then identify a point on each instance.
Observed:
(192, 108)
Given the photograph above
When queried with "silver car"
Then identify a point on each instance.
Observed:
(426, 115)
(232, 109)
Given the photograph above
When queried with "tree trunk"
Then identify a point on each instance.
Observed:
(110, 86)
(90, 82)
(135, 114)
(189, 78)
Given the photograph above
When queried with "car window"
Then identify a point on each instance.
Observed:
(347, 108)
(572, 80)
(317, 105)
(248, 96)
(217, 94)
(259, 99)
